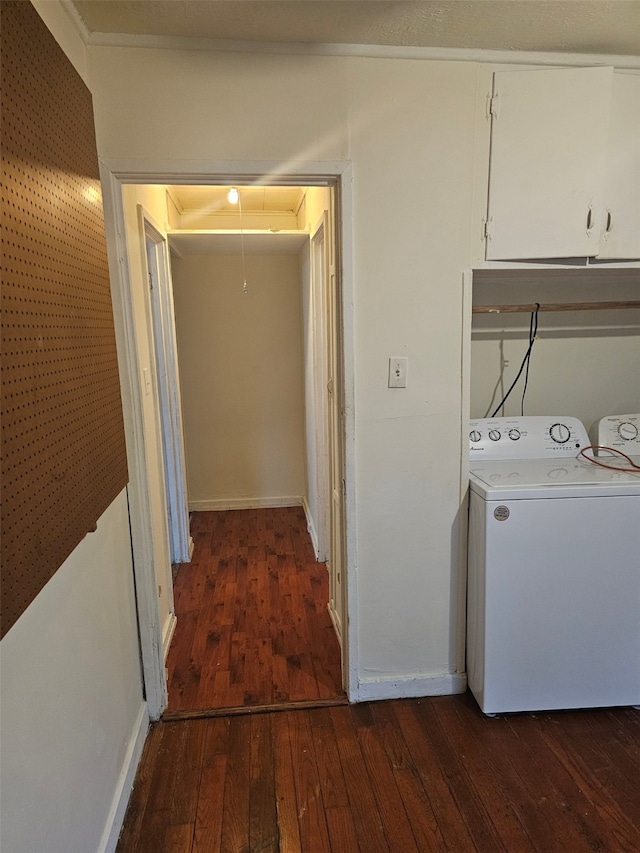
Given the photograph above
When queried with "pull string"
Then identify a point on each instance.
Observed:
(245, 289)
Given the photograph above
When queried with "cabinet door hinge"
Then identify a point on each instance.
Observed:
(487, 228)
(494, 106)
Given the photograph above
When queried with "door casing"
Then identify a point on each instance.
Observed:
(116, 173)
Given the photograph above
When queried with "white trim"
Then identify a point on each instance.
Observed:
(335, 621)
(344, 243)
(367, 51)
(171, 435)
(167, 634)
(115, 819)
(310, 526)
(150, 631)
(77, 21)
(459, 584)
(244, 503)
(312, 173)
(411, 686)
(336, 173)
(320, 284)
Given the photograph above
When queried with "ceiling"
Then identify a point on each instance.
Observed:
(237, 243)
(608, 27)
(255, 199)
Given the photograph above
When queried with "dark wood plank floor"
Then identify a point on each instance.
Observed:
(253, 625)
(399, 776)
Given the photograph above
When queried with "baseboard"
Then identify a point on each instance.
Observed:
(115, 819)
(244, 503)
(406, 687)
(191, 547)
(167, 634)
(311, 528)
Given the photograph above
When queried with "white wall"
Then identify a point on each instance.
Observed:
(408, 128)
(417, 140)
(71, 703)
(241, 375)
(583, 364)
(582, 372)
(73, 718)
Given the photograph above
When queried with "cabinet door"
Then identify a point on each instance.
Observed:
(549, 135)
(621, 227)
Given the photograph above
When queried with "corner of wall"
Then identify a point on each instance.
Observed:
(65, 27)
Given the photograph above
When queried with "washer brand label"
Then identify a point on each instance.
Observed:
(501, 513)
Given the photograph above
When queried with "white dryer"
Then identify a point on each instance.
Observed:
(553, 614)
(621, 432)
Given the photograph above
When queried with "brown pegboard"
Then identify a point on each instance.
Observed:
(63, 451)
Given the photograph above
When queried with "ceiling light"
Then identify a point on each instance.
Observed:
(233, 195)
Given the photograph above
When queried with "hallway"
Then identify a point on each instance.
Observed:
(253, 626)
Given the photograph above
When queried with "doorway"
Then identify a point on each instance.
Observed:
(341, 323)
(251, 305)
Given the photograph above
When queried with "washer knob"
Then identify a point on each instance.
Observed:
(494, 434)
(627, 431)
(560, 433)
(514, 434)
(474, 435)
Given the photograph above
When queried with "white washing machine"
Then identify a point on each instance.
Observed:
(553, 613)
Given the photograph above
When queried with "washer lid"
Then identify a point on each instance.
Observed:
(517, 479)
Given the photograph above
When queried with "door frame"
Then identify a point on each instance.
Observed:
(165, 348)
(318, 252)
(115, 173)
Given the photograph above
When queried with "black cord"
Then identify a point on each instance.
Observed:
(533, 329)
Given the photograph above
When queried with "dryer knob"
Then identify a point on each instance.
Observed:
(628, 431)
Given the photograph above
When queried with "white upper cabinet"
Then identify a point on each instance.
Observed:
(563, 178)
(621, 227)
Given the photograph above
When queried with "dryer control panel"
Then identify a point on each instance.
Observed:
(622, 432)
(526, 437)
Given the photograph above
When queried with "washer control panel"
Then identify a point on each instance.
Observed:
(622, 432)
(526, 437)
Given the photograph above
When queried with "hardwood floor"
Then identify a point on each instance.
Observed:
(399, 776)
(253, 626)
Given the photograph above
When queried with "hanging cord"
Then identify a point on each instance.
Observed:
(245, 289)
(533, 331)
(633, 469)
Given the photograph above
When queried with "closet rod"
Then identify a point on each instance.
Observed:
(554, 306)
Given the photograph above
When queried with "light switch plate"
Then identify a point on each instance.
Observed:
(398, 369)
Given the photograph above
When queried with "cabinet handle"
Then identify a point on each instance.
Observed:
(609, 222)
(590, 219)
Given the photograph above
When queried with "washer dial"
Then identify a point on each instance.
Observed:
(560, 433)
